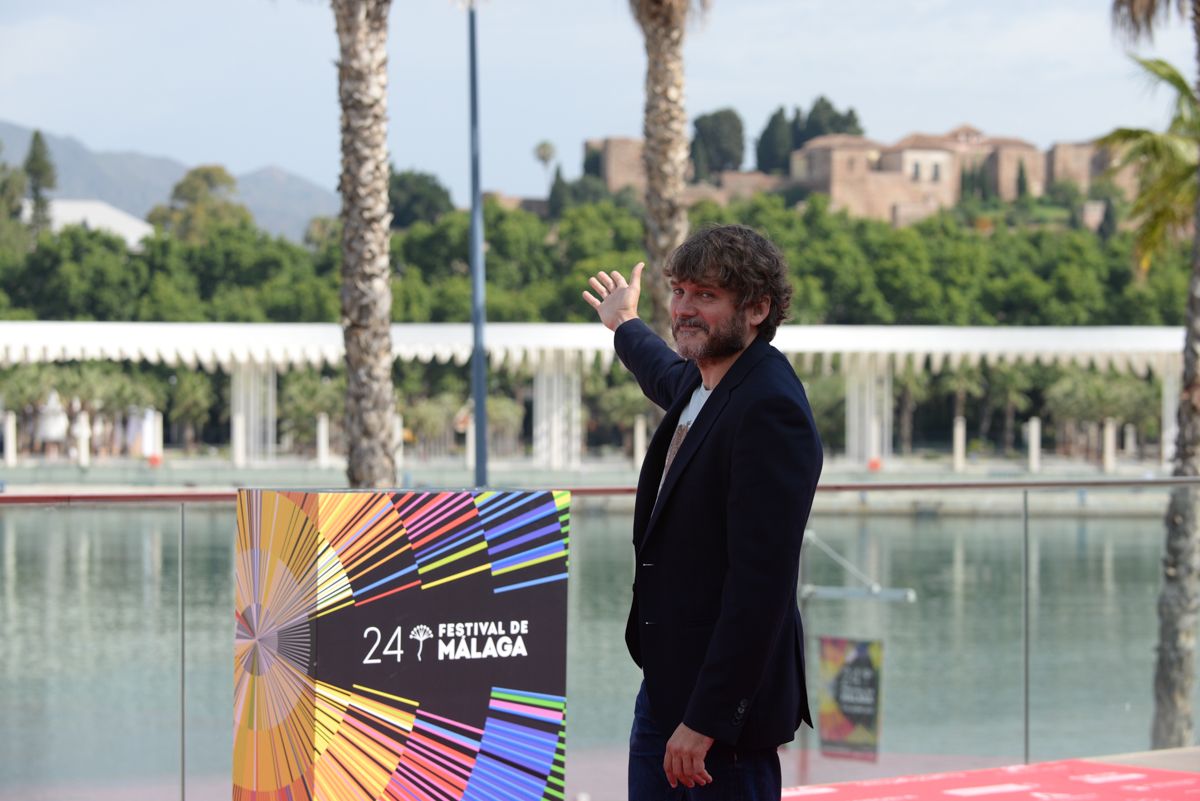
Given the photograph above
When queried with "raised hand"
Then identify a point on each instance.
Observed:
(615, 300)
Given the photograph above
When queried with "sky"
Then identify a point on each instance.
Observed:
(252, 83)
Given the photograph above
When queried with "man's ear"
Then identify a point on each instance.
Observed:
(757, 311)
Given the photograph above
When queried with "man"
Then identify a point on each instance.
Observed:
(722, 501)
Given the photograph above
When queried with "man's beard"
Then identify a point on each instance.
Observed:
(725, 340)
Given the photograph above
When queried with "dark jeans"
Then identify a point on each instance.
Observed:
(738, 775)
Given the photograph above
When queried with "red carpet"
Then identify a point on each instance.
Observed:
(1068, 780)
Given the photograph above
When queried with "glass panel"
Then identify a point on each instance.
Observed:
(89, 652)
(951, 690)
(601, 678)
(208, 558)
(1096, 575)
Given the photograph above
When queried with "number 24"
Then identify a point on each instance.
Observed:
(391, 649)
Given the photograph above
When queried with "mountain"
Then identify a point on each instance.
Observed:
(281, 202)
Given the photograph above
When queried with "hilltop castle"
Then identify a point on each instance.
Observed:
(900, 184)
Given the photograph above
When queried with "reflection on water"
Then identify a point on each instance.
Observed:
(89, 641)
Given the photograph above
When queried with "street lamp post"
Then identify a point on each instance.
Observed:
(478, 314)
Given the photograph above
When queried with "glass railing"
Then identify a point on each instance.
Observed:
(1016, 622)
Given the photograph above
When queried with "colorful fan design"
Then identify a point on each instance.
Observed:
(400, 645)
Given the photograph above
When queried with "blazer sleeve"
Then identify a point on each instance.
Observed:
(660, 371)
(776, 461)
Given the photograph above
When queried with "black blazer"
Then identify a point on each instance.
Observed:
(714, 623)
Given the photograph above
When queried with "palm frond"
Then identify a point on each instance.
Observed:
(1138, 18)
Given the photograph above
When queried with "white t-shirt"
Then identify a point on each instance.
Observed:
(686, 418)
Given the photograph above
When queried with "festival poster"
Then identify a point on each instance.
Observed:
(849, 698)
(400, 645)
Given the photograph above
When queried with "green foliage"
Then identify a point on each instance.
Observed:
(192, 399)
(1022, 181)
(1090, 396)
(12, 191)
(823, 118)
(306, 394)
(773, 152)
(416, 197)
(79, 275)
(592, 157)
(1166, 165)
(40, 172)
(201, 207)
(584, 190)
(719, 143)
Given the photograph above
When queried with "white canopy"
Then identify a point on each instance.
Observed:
(284, 345)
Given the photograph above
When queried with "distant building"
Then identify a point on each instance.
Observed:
(1082, 163)
(96, 215)
(900, 183)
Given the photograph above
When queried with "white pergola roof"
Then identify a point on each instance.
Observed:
(211, 346)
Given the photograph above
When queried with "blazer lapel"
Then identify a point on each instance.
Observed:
(703, 423)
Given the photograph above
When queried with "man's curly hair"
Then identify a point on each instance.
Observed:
(740, 260)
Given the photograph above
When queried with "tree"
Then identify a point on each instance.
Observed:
(665, 150)
(773, 152)
(1008, 388)
(1022, 181)
(1179, 599)
(12, 190)
(39, 170)
(305, 395)
(14, 237)
(560, 195)
(962, 382)
(913, 385)
(1166, 165)
(192, 398)
(824, 118)
(201, 204)
(544, 153)
(414, 196)
(796, 125)
(362, 30)
(719, 144)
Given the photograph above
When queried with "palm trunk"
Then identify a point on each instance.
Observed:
(1179, 599)
(665, 153)
(907, 409)
(1010, 427)
(366, 291)
(985, 421)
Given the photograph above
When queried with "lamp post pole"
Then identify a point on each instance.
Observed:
(478, 315)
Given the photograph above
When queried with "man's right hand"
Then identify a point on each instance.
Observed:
(615, 300)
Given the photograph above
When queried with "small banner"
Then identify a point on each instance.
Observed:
(849, 699)
(400, 645)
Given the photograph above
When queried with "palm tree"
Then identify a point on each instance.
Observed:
(544, 153)
(912, 384)
(1008, 388)
(963, 382)
(362, 30)
(1179, 599)
(192, 398)
(1166, 165)
(665, 151)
